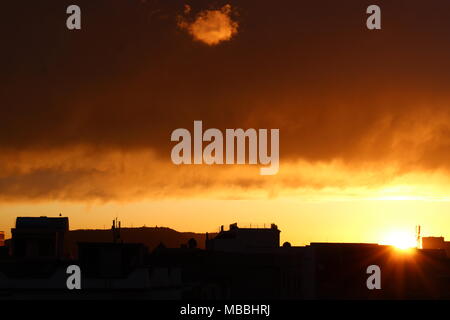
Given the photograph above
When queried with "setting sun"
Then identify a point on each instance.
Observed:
(401, 240)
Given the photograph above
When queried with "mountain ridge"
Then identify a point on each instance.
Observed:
(150, 236)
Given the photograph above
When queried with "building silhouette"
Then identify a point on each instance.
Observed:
(245, 239)
(437, 243)
(39, 237)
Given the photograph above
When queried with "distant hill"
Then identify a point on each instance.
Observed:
(151, 237)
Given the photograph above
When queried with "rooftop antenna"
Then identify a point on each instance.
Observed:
(116, 230)
(418, 237)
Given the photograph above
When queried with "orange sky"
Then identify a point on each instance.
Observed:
(300, 221)
(364, 116)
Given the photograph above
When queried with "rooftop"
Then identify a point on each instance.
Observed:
(42, 223)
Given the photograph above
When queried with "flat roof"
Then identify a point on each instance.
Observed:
(42, 223)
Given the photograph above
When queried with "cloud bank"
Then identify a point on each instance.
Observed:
(88, 115)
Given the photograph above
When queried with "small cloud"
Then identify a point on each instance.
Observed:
(210, 26)
(187, 9)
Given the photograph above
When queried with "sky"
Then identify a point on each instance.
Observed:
(86, 115)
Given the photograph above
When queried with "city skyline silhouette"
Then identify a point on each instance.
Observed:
(235, 263)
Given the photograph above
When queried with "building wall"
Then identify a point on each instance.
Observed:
(433, 243)
(39, 237)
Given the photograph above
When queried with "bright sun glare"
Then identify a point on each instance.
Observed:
(401, 240)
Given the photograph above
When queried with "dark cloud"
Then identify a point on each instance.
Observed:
(126, 80)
